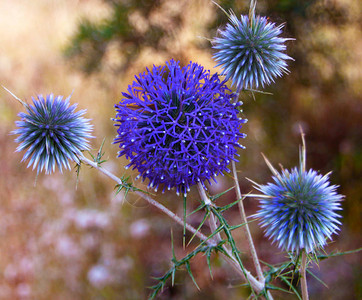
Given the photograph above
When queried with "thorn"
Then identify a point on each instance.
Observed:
(17, 98)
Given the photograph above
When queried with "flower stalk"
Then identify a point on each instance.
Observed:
(207, 201)
(303, 275)
(249, 238)
(257, 285)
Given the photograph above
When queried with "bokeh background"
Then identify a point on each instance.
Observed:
(66, 239)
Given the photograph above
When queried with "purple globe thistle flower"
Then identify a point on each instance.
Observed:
(178, 125)
(298, 210)
(52, 132)
(250, 51)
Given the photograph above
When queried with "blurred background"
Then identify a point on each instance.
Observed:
(63, 239)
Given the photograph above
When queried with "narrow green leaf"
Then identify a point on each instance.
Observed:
(276, 288)
(222, 193)
(317, 278)
(291, 287)
(172, 246)
(77, 167)
(199, 227)
(321, 257)
(93, 157)
(231, 204)
(240, 225)
(200, 207)
(191, 275)
(208, 260)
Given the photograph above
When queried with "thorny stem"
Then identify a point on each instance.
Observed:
(246, 227)
(256, 285)
(303, 275)
(99, 168)
(175, 217)
(147, 198)
(207, 201)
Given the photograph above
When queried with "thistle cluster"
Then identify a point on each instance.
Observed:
(181, 125)
(52, 132)
(251, 51)
(178, 125)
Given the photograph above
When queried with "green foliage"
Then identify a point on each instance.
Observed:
(89, 44)
(177, 264)
(126, 186)
(100, 154)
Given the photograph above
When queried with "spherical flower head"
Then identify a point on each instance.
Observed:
(52, 132)
(251, 51)
(178, 125)
(298, 210)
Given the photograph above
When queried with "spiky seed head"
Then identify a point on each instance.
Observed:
(52, 132)
(299, 209)
(178, 125)
(251, 51)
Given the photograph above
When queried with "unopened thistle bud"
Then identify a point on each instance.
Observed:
(251, 51)
(299, 209)
(52, 132)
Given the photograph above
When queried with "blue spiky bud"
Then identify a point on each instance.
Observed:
(251, 51)
(178, 125)
(52, 132)
(298, 209)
